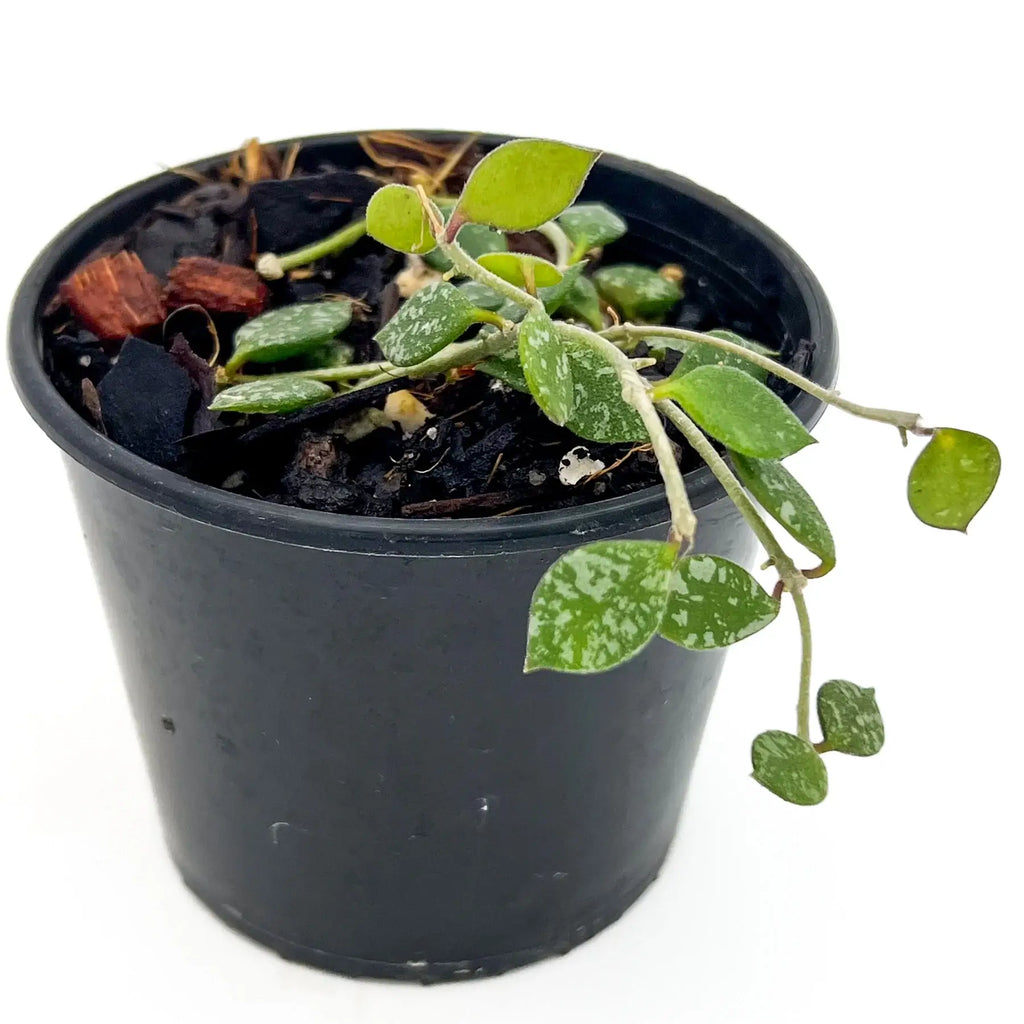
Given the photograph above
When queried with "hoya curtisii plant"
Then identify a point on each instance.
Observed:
(543, 330)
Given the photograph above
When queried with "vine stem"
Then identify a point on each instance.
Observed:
(793, 580)
(903, 421)
(637, 392)
(560, 242)
(803, 704)
(273, 267)
(458, 353)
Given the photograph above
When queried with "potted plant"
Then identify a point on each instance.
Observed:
(350, 764)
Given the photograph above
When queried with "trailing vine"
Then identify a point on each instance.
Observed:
(568, 338)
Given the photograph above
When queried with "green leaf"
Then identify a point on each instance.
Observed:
(582, 303)
(275, 394)
(396, 218)
(475, 239)
(508, 369)
(288, 332)
(740, 411)
(598, 605)
(850, 719)
(782, 497)
(334, 353)
(430, 319)
(547, 367)
(523, 183)
(601, 413)
(591, 225)
(554, 295)
(639, 293)
(790, 767)
(696, 354)
(519, 268)
(481, 296)
(952, 478)
(713, 603)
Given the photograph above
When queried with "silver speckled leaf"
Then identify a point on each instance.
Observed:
(713, 603)
(598, 605)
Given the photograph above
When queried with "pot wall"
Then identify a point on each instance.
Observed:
(350, 764)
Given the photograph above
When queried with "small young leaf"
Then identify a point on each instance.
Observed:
(790, 767)
(396, 218)
(430, 319)
(547, 367)
(475, 239)
(850, 719)
(740, 411)
(952, 478)
(519, 267)
(288, 332)
(480, 295)
(641, 294)
(713, 603)
(601, 413)
(598, 605)
(697, 354)
(582, 303)
(782, 497)
(506, 368)
(590, 225)
(523, 183)
(275, 394)
(334, 353)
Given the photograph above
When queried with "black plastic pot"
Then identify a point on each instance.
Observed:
(349, 763)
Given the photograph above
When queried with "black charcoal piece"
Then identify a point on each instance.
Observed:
(293, 213)
(145, 402)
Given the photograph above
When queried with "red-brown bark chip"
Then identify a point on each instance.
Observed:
(115, 296)
(217, 287)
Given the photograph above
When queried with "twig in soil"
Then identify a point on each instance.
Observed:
(618, 462)
(446, 507)
(288, 167)
(494, 469)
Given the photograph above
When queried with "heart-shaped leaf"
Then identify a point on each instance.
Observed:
(475, 240)
(850, 719)
(591, 225)
(601, 413)
(430, 319)
(740, 411)
(523, 183)
(952, 478)
(782, 497)
(287, 332)
(547, 367)
(790, 767)
(598, 605)
(521, 269)
(713, 603)
(639, 293)
(581, 302)
(696, 354)
(273, 395)
(396, 218)
(508, 369)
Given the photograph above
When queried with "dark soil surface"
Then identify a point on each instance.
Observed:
(486, 450)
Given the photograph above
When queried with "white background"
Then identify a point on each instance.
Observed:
(878, 140)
